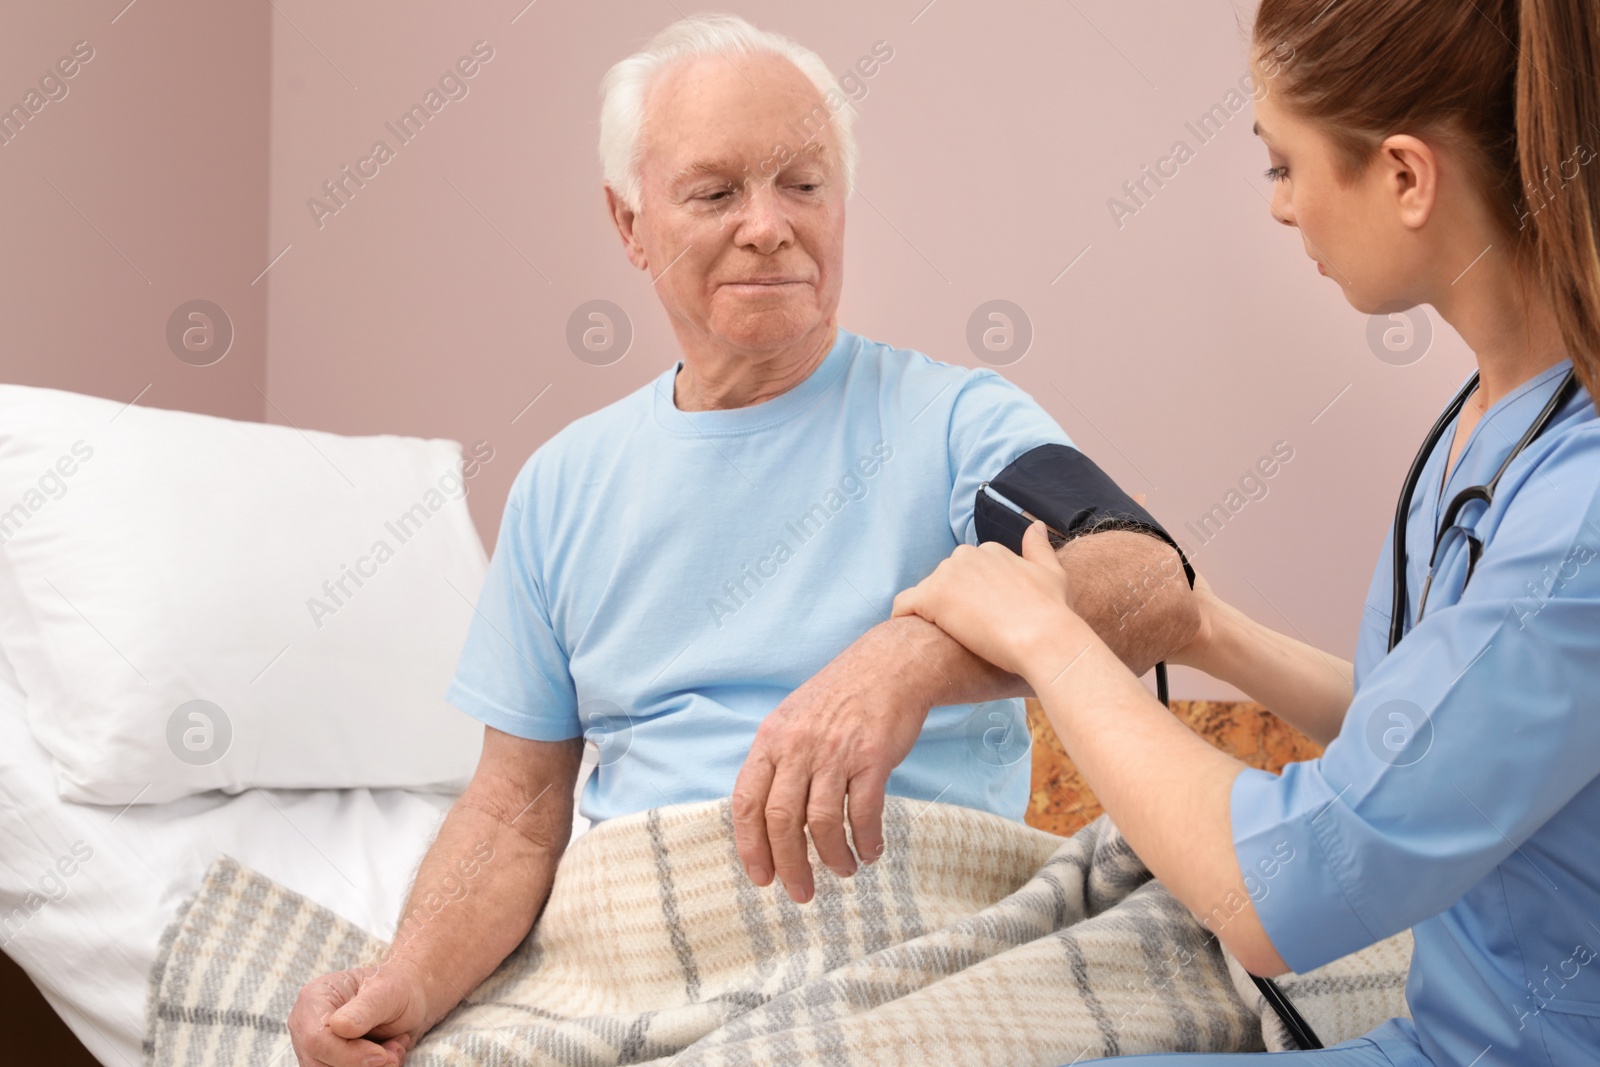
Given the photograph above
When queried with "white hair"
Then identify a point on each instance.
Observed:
(625, 86)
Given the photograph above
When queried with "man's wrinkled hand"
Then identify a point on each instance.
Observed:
(838, 736)
(362, 1017)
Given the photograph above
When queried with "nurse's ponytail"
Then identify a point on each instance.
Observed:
(1513, 85)
(1558, 154)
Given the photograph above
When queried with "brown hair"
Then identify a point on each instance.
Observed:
(1512, 85)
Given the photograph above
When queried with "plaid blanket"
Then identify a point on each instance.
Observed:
(974, 940)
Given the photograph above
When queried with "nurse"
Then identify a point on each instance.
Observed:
(1428, 152)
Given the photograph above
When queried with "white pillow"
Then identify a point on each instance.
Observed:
(312, 590)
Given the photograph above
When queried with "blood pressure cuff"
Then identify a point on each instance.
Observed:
(1063, 487)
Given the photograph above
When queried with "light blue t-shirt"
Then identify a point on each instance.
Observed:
(663, 578)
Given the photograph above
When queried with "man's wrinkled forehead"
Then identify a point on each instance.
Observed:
(714, 112)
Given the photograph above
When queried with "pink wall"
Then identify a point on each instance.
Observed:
(1179, 348)
(138, 190)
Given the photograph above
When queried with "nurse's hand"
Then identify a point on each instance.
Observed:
(1209, 606)
(994, 601)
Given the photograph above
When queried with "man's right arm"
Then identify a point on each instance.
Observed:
(510, 826)
(476, 895)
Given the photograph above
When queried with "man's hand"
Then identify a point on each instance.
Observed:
(857, 719)
(838, 735)
(476, 894)
(362, 1017)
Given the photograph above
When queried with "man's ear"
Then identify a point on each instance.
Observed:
(625, 218)
(1410, 172)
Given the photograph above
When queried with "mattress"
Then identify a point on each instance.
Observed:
(87, 938)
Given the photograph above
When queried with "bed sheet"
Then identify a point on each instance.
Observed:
(90, 945)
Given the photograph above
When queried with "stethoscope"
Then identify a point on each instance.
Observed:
(1485, 493)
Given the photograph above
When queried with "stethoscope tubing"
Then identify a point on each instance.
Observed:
(1485, 493)
(1397, 612)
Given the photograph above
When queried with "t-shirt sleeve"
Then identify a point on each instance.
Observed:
(992, 422)
(513, 672)
(1459, 745)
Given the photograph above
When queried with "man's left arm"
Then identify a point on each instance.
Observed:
(1128, 585)
(840, 734)
(852, 723)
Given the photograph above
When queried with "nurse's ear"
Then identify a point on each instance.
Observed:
(1407, 170)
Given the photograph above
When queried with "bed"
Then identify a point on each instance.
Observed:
(90, 951)
(150, 558)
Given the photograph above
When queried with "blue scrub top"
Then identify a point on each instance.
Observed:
(1460, 798)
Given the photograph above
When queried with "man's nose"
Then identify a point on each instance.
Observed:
(764, 221)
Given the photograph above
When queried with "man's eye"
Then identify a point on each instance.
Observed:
(808, 187)
(1276, 174)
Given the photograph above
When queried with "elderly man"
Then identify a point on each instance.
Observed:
(699, 576)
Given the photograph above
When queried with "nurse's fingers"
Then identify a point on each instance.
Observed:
(750, 794)
(1036, 546)
(786, 830)
(907, 601)
(921, 598)
(825, 816)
